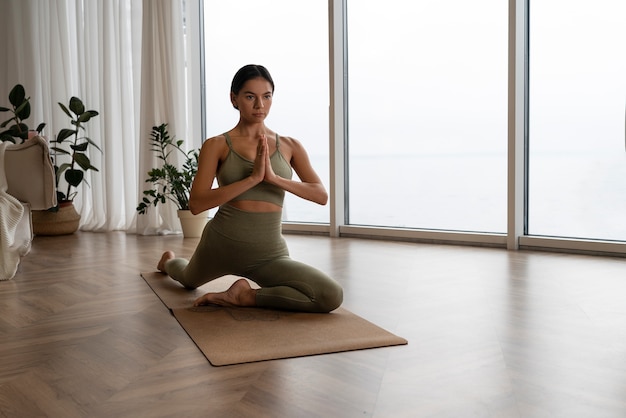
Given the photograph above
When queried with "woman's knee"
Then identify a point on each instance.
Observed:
(330, 298)
(175, 268)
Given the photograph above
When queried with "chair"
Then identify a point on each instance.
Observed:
(30, 178)
(30, 173)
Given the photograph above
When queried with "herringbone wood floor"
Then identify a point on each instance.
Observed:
(491, 333)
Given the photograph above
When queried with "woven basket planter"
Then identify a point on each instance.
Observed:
(63, 222)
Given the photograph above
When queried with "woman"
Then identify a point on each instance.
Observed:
(253, 166)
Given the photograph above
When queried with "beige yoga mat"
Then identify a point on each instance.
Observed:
(241, 335)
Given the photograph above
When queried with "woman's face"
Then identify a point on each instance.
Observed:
(254, 100)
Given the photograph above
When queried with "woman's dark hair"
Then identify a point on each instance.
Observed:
(248, 72)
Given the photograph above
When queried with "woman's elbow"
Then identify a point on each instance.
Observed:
(194, 206)
(323, 198)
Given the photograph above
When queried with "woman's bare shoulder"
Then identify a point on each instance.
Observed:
(215, 146)
(215, 142)
(292, 144)
(290, 141)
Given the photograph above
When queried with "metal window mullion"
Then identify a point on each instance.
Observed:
(337, 114)
(517, 121)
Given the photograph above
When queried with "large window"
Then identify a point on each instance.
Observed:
(577, 105)
(431, 105)
(290, 38)
(428, 114)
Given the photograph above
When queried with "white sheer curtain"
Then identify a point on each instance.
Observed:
(123, 58)
(162, 80)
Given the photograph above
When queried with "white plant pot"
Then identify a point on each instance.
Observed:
(193, 225)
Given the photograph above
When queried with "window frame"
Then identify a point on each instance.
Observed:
(516, 236)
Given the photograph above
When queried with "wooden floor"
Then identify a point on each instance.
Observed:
(492, 333)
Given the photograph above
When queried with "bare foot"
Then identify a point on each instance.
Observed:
(239, 294)
(167, 255)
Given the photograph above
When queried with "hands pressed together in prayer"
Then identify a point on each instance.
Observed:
(262, 167)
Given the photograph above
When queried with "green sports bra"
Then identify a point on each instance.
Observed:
(235, 168)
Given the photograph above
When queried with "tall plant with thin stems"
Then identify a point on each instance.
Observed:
(169, 181)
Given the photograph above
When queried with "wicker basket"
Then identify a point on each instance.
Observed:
(63, 222)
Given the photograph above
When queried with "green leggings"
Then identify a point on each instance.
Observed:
(251, 245)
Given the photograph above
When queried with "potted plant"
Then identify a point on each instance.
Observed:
(71, 147)
(171, 182)
(20, 108)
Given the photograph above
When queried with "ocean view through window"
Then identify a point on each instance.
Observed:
(427, 136)
(427, 114)
(577, 109)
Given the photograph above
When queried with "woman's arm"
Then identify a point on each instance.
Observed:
(310, 187)
(203, 195)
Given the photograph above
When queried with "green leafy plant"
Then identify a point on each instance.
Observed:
(70, 143)
(20, 108)
(170, 182)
